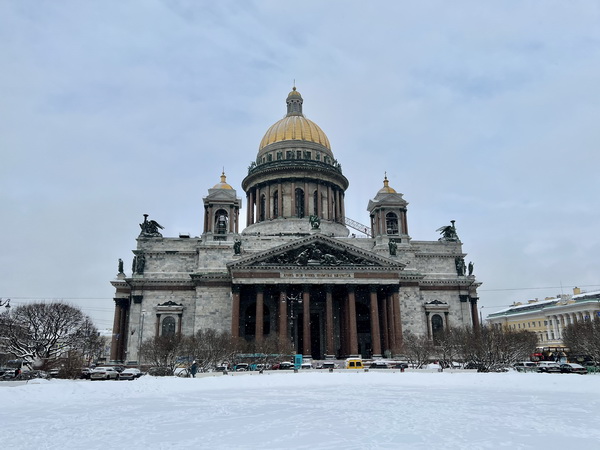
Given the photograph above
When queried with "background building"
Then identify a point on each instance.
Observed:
(547, 318)
(296, 271)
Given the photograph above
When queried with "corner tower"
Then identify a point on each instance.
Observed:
(293, 177)
(221, 211)
(388, 215)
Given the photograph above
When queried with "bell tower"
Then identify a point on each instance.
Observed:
(388, 215)
(221, 211)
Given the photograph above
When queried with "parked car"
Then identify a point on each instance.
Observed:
(379, 365)
(399, 365)
(130, 374)
(285, 365)
(548, 367)
(354, 363)
(326, 365)
(85, 373)
(104, 373)
(306, 366)
(525, 366)
(573, 368)
(241, 367)
(9, 374)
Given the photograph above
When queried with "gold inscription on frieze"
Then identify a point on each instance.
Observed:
(317, 275)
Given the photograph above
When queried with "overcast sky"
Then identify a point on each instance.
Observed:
(482, 112)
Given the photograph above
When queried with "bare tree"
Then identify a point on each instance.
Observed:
(494, 348)
(40, 333)
(270, 350)
(210, 348)
(162, 351)
(418, 349)
(583, 338)
(448, 346)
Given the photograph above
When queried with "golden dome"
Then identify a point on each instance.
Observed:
(294, 93)
(386, 189)
(294, 128)
(223, 184)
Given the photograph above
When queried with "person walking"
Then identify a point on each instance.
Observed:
(194, 369)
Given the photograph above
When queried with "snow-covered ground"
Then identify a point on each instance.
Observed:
(307, 410)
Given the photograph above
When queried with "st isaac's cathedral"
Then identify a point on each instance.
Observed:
(296, 271)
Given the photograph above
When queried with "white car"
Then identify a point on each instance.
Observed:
(130, 374)
(104, 373)
(548, 367)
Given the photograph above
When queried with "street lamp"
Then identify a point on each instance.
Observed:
(292, 301)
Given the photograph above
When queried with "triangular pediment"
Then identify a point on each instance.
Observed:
(221, 195)
(316, 252)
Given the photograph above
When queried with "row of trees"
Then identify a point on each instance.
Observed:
(45, 335)
(210, 348)
(487, 348)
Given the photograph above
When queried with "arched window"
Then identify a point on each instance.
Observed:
(276, 204)
(437, 328)
(168, 326)
(299, 203)
(261, 213)
(221, 221)
(391, 222)
(316, 203)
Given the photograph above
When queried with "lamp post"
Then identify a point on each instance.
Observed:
(292, 301)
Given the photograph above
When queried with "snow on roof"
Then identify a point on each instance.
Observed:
(515, 309)
(586, 294)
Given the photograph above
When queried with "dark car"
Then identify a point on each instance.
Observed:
(400, 365)
(85, 373)
(573, 368)
(286, 365)
(379, 365)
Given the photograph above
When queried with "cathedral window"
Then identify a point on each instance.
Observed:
(269, 157)
(289, 154)
(279, 156)
(307, 155)
(261, 213)
(437, 328)
(299, 203)
(298, 154)
(276, 204)
(391, 222)
(318, 156)
(168, 326)
(316, 203)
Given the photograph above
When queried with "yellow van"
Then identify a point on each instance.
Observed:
(354, 363)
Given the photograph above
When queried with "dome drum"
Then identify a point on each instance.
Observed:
(294, 169)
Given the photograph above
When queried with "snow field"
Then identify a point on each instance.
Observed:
(307, 410)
